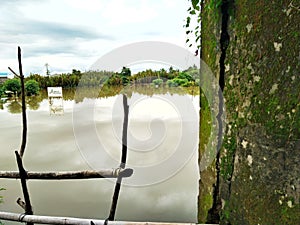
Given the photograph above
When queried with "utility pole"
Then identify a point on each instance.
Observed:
(47, 69)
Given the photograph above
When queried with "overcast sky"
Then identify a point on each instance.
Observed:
(69, 34)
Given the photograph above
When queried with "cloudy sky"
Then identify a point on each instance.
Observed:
(69, 34)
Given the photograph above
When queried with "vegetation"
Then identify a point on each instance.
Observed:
(157, 82)
(193, 33)
(32, 87)
(172, 78)
(13, 85)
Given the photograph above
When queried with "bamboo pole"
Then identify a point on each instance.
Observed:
(73, 221)
(68, 175)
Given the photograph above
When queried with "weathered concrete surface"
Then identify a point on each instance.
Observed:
(260, 170)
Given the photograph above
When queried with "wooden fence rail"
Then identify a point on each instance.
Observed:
(68, 175)
(73, 221)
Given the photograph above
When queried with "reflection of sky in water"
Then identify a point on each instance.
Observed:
(52, 146)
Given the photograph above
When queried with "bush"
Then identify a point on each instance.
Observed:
(183, 75)
(157, 82)
(180, 81)
(171, 83)
(32, 87)
(13, 85)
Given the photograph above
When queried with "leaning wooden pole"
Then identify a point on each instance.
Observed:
(123, 160)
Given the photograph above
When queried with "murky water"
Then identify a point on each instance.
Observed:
(164, 186)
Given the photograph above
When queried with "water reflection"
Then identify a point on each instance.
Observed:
(78, 95)
(14, 107)
(52, 147)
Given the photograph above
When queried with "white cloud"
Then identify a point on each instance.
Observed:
(71, 34)
(91, 6)
(119, 12)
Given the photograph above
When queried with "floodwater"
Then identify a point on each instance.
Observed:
(162, 150)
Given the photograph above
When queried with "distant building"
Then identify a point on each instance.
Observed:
(3, 77)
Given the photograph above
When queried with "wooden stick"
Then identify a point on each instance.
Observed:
(11, 70)
(24, 134)
(73, 221)
(123, 161)
(23, 177)
(67, 175)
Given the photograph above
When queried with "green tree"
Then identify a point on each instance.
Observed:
(13, 85)
(32, 87)
(125, 74)
(1, 90)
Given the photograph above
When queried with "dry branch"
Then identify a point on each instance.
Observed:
(72, 221)
(67, 175)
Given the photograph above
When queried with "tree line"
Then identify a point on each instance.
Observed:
(35, 82)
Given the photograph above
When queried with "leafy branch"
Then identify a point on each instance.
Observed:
(193, 31)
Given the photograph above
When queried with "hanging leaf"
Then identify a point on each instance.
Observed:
(195, 4)
(188, 19)
(187, 40)
(193, 12)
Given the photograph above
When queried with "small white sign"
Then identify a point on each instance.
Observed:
(55, 100)
(54, 91)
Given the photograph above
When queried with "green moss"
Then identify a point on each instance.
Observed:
(206, 182)
(227, 164)
(262, 90)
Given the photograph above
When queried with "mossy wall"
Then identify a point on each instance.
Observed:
(260, 172)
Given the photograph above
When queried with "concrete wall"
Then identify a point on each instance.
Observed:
(259, 161)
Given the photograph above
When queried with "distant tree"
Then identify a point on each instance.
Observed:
(126, 71)
(13, 85)
(1, 90)
(125, 74)
(76, 72)
(32, 87)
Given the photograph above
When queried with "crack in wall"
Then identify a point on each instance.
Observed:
(214, 212)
